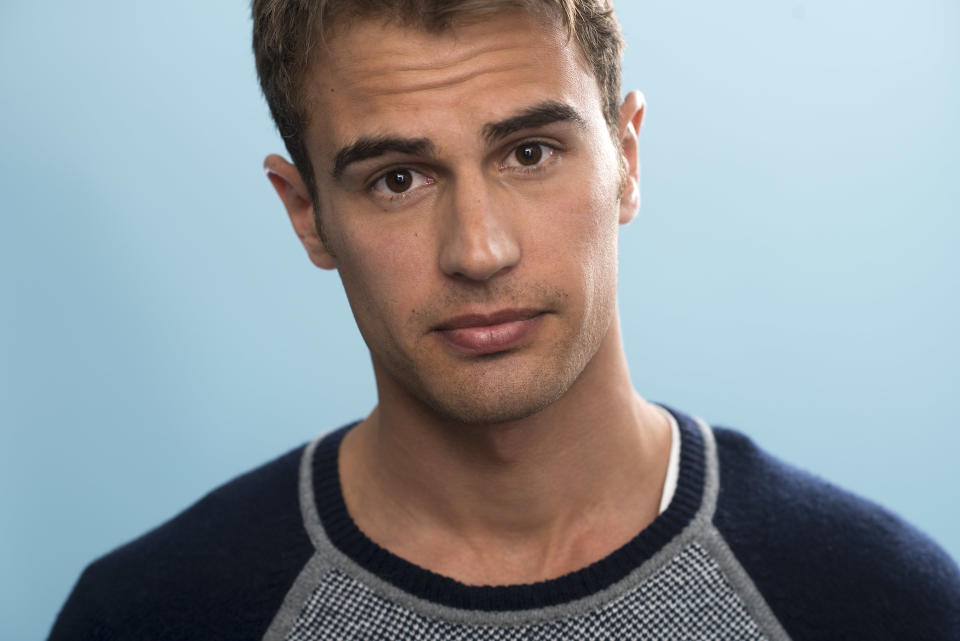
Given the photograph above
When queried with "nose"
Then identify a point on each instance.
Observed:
(479, 238)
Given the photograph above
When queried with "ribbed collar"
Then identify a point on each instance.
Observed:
(344, 534)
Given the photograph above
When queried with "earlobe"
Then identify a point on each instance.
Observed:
(631, 119)
(296, 200)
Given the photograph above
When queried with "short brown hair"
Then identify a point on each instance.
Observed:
(285, 32)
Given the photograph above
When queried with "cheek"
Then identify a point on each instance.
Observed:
(382, 267)
(585, 220)
(600, 251)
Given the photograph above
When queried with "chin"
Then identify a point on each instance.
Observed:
(498, 388)
(487, 401)
(470, 412)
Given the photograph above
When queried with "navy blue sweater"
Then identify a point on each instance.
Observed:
(750, 547)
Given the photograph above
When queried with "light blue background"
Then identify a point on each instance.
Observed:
(793, 271)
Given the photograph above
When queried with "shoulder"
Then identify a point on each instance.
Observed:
(223, 564)
(826, 559)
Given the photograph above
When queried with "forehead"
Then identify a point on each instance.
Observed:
(377, 78)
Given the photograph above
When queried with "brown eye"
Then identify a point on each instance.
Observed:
(528, 154)
(399, 180)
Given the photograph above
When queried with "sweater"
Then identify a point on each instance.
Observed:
(748, 548)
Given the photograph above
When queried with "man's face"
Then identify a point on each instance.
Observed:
(469, 191)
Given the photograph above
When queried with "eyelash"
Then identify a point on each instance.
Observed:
(396, 196)
(549, 151)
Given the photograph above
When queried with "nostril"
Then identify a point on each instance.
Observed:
(479, 256)
(478, 237)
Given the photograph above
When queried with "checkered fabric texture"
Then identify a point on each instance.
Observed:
(688, 598)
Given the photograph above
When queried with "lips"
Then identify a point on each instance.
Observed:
(478, 334)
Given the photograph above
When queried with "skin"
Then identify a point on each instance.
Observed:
(529, 462)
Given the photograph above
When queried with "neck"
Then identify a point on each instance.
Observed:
(553, 491)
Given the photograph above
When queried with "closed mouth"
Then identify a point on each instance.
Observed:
(485, 334)
(487, 320)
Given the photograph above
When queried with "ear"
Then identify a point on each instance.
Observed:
(631, 118)
(293, 192)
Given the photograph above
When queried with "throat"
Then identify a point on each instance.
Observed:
(508, 510)
(495, 559)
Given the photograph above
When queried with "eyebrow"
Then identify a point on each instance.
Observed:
(539, 115)
(365, 148)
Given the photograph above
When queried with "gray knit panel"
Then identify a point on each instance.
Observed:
(688, 598)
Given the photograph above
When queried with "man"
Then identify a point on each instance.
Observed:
(464, 166)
